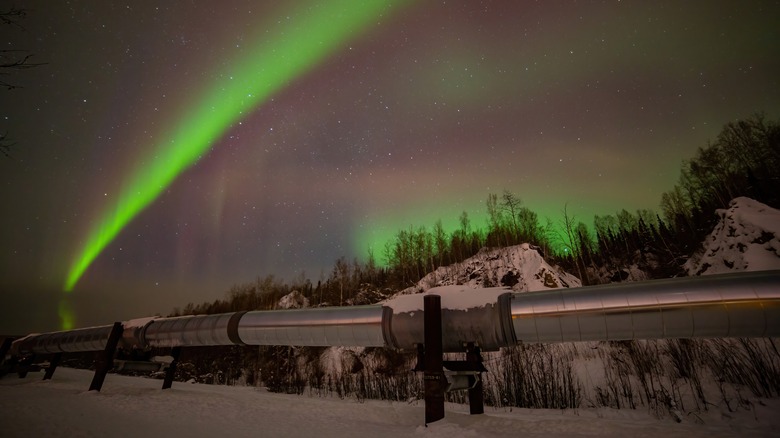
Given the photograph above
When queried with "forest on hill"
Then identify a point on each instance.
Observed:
(744, 160)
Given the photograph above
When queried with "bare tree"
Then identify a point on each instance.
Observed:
(440, 240)
(10, 61)
(495, 221)
(341, 273)
(14, 59)
(511, 206)
(5, 145)
(570, 240)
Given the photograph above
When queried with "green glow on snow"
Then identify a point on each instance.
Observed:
(316, 32)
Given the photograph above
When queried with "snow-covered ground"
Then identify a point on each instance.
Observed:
(134, 406)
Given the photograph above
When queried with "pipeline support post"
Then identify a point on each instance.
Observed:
(476, 397)
(24, 365)
(5, 348)
(169, 373)
(53, 363)
(434, 380)
(105, 359)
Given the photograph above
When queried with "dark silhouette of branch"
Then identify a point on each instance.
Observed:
(12, 17)
(5, 145)
(10, 60)
(15, 60)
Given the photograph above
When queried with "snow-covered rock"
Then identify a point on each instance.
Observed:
(520, 268)
(293, 300)
(746, 238)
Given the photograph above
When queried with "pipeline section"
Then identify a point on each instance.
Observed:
(729, 305)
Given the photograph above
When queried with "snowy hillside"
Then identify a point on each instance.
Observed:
(746, 238)
(520, 268)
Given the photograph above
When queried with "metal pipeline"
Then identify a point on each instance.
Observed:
(326, 326)
(68, 341)
(189, 331)
(481, 316)
(357, 326)
(730, 305)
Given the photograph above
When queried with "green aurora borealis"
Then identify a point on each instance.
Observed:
(169, 150)
(247, 83)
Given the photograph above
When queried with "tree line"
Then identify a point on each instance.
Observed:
(744, 160)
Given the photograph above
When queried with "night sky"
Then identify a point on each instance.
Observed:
(169, 150)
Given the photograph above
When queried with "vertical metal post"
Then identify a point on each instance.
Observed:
(105, 360)
(23, 367)
(5, 348)
(169, 373)
(476, 397)
(435, 381)
(53, 363)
